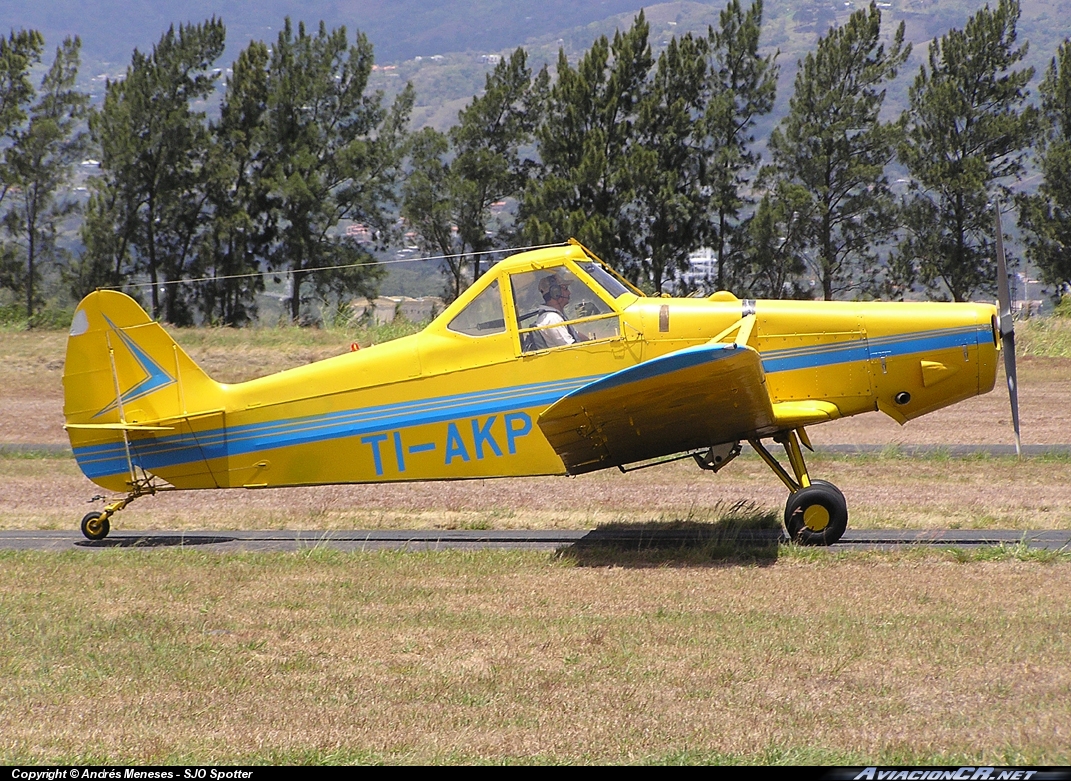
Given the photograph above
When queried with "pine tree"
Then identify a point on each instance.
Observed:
(239, 230)
(833, 145)
(666, 218)
(153, 152)
(449, 204)
(582, 187)
(41, 160)
(968, 127)
(334, 153)
(19, 53)
(743, 87)
(487, 142)
(1046, 217)
(771, 258)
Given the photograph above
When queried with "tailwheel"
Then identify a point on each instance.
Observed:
(817, 514)
(95, 526)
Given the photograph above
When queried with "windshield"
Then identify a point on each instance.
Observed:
(605, 279)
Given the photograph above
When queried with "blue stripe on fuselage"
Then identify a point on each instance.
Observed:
(663, 364)
(855, 350)
(172, 450)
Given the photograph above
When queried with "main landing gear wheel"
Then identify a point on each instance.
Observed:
(816, 515)
(95, 526)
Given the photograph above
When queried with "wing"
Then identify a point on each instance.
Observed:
(689, 399)
(686, 400)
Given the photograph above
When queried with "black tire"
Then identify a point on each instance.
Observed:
(95, 526)
(816, 515)
(828, 485)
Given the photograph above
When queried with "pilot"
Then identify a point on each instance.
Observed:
(555, 292)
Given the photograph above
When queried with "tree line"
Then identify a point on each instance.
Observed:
(643, 158)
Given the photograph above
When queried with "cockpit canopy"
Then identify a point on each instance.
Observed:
(522, 298)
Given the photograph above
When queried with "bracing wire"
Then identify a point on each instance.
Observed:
(288, 272)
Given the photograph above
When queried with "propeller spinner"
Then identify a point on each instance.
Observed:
(1007, 330)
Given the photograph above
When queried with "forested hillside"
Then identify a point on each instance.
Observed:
(461, 33)
(819, 149)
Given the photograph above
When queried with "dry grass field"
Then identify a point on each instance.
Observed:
(789, 657)
(885, 490)
(163, 657)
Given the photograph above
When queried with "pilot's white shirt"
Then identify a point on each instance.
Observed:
(554, 337)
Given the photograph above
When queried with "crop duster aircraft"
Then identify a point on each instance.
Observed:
(498, 386)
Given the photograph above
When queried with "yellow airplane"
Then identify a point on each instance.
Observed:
(549, 364)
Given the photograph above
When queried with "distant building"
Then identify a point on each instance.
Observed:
(700, 275)
(386, 308)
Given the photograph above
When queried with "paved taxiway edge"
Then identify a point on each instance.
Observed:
(548, 540)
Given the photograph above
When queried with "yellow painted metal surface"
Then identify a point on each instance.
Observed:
(463, 398)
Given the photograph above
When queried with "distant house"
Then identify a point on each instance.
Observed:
(702, 270)
(385, 309)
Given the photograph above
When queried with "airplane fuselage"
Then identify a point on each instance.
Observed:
(454, 402)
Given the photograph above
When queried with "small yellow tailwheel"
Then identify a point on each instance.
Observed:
(95, 526)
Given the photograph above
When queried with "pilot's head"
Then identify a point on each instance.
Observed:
(554, 288)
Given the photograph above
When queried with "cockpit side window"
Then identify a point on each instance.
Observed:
(483, 315)
(555, 308)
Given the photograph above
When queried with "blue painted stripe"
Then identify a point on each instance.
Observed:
(884, 346)
(155, 379)
(174, 450)
(390, 413)
(843, 352)
(861, 350)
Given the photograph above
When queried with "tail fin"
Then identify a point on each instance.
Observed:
(125, 379)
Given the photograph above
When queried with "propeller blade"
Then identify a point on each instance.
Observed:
(1007, 330)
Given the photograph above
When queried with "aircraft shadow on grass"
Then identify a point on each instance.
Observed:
(750, 539)
(155, 541)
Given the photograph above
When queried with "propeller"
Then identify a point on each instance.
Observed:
(1007, 330)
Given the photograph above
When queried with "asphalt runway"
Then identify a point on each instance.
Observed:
(427, 540)
(430, 540)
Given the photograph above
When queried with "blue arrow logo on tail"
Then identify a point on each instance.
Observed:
(156, 377)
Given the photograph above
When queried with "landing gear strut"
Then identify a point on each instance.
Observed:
(816, 512)
(96, 525)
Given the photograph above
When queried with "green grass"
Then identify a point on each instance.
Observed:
(49, 318)
(935, 455)
(1046, 337)
(284, 336)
